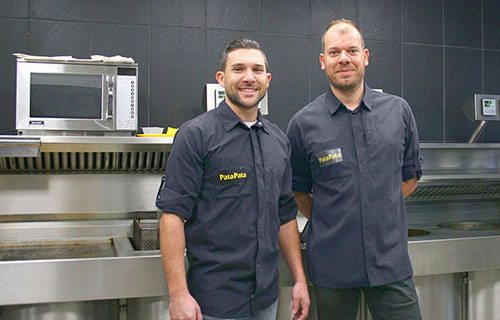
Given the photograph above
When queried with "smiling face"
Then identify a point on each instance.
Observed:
(245, 78)
(344, 58)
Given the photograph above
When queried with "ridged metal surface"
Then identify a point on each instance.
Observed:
(453, 192)
(86, 161)
(91, 154)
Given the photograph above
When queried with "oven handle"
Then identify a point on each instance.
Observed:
(110, 88)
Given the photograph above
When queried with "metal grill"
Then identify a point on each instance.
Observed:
(53, 162)
(454, 192)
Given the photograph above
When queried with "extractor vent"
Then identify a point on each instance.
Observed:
(86, 161)
(478, 191)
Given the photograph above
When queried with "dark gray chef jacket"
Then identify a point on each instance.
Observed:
(353, 164)
(232, 184)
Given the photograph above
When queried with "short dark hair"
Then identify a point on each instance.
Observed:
(339, 21)
(240, 43)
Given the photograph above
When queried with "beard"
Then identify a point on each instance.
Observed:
(347, 85)
(232, 95)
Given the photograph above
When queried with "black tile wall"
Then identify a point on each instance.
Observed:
(384, 68)
(181, 13)
(14, 8)
(423, 88)
(289, 88)
(462, 23)
(285, 16)
(433, 53)
(380, 20)
(462, 80)
(177, 75)
(324, 11)
(57, 38)
(491, 24)
(422, 21)
(14, 39)
(235, 15)
(491, 86)
(77, 10)
(120, 11)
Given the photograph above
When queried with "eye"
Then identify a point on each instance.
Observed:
(333, 53)
(259, 70)
(353, 51)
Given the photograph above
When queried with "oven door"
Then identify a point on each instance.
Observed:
(53, 96)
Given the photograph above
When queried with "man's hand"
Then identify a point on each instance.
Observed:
(300, 301)
(184, 308)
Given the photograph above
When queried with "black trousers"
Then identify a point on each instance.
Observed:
(395, 301)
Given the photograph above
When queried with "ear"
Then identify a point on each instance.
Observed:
(268, 76)
(220, 78)
(367, 54)
(322, 61)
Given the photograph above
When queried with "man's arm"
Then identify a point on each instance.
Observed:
(172, 246)
(289, 242)
(409, 186)
(304, 202)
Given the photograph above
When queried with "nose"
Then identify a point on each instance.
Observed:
(249, 76)
(344, 57)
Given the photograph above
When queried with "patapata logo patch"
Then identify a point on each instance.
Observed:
(330, 157)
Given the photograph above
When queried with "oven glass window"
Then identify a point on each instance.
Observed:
(73, 96)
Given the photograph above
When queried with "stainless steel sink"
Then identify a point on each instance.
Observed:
(471, 225)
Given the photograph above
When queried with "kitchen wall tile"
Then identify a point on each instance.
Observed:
(491, 24)
(492, 72)
(318, 82)
(77, 10)
(422, 21)
(324, 11)
(462, 79)
(462, 23)
(235, 15)
(423, 88)
(380, 20)
(289, 87)
(120, 11)
(128, 41)
(14, 8)
(177, 74)
(52, 38)
(384, 69)
(285, 16)
(491, 132)
(217, 40)
(186, 13)
(14, 39)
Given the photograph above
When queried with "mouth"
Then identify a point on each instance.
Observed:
(248, 89)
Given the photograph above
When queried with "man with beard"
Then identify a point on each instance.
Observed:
(355, 157)
(227, 198)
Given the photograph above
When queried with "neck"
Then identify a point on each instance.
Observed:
(245, 114)
(352, 98)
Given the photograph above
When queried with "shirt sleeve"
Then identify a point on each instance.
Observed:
(287, 206)
(411, 160)
(183, 175)
(301, 171)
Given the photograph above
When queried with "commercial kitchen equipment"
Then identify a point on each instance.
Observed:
(68, 219)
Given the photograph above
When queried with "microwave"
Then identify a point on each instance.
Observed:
(74, 98)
